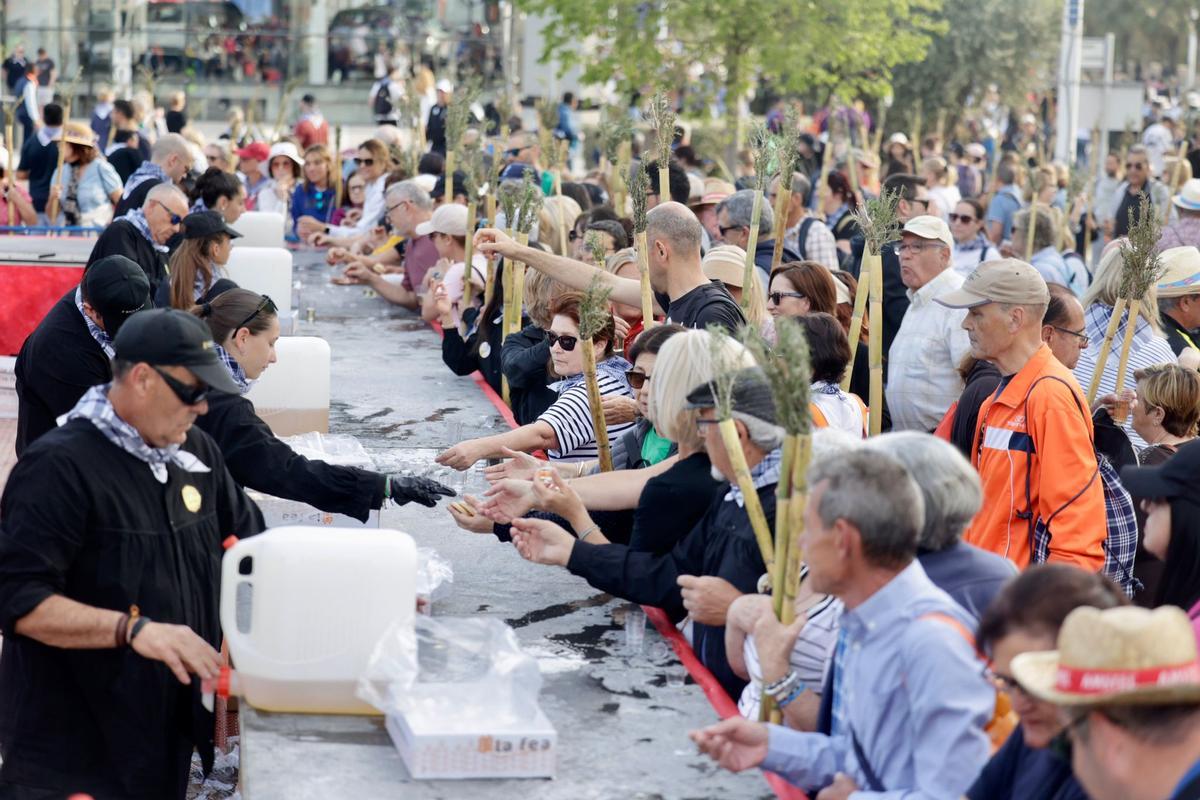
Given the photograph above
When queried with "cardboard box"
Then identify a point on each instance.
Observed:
(279, 512)
(433, 748)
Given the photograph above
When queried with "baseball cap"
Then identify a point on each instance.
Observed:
(1007, 280)
(450, 219)
(117, 288)
(928, 226)
(751, 396)
(976, 150)
(206, 223)
(725, 263)
(1181, 274)
(168, 337)
(1178, 476)
(257, 151)
(444, 86)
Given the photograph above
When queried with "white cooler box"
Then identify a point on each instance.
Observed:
(342, 450)
(259, 229)
(266, 270)
(292, 396)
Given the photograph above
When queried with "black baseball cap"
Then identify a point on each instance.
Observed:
(117, 288)
(166, 337)
(206, 223)
(1178, 476)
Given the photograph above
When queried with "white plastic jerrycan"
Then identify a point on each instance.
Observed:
(266, 270)
(259, 229)
(292, 396)
(302, 609)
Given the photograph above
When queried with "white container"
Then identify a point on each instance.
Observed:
(292, 396)
(434, 747)
(259, 229)
(266, 270)
(303, 608)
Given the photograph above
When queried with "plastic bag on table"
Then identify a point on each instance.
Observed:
(455, 669)
(433, 572)
(339, 449)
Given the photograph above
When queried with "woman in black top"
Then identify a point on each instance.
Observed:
(245, 327)
(525, 355)
(476, 343)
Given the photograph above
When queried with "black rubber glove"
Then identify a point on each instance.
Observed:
(401, 489)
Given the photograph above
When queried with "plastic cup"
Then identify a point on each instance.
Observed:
(635, 631)
(676, 675)
(1121, 409)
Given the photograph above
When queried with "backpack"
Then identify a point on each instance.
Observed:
(381, 103)
(1120, 541)
(802, 237)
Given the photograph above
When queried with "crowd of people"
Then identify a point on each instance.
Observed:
(1000, 593)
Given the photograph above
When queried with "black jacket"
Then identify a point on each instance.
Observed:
(258, 460)
(122, 238)
(58, 363)
(764, 252)
(88, 521)
(721, 544)
(125, 161)
(523, 360)
(895, 297)
(463, 358)
(136, 198)
(435, 128)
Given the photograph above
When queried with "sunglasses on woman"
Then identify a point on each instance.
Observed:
(567, 343)
(636, 379)
(188, 395)
(963, 218)
(364, 162)
(266, 304)
(777, 297)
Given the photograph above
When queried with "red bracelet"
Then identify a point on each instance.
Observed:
(122, 629)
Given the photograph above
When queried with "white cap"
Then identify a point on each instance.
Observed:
(928, 226)
(725, 263)
(285, 149)
(449, 219)
(444, 86)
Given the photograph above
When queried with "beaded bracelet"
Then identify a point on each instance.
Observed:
(782, 686)
(796, 692)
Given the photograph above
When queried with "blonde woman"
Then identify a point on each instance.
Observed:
(1149, 345)
(1167, 410)
(555, 221)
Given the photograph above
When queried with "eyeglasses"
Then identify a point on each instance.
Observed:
(567, 343)
(364, 162)
(636, 379)
(963, 218)
(725, 230)
(924, 201)
(175, 218)
(1006, 683)
(401, 204)
(899, 249)
(1082, 337)
(703, 425)
(777, 297)
(266, 304)
(1135, 165)
(188, 395)
(213, 159)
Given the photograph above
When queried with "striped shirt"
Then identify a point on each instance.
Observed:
(809, 658)
(1148, 348)
(571, 419)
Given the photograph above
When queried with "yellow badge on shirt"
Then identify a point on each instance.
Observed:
(191, 498)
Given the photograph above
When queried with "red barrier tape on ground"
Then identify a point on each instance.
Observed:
(716, 695)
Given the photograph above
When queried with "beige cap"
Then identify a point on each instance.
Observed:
(1181, 274)
(930, 227)
(450, 219)
(1119, 656)
(1007, 280)
(715, 190)
(725, 263)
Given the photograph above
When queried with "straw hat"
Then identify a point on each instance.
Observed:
(1120, 656)
(725, 263)
(1189, 196)
(715, 190)
(77, 133)
(1181, 273)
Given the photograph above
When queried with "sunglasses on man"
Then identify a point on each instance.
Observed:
(188, 395)
(175, 218)
(567, 343)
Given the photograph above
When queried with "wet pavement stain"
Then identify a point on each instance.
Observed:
(440, 414)
(558, 610)
(610, 708)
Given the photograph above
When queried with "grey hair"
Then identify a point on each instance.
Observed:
(1166, 304)
(875, 494)
(675, 224)
(740, 208)
(412, 192)
(763, 435)
(163, 191)
(949, 484)
(171, 144)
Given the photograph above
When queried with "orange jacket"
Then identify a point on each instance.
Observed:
(1063, 460)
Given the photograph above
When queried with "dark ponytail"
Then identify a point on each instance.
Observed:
(214, 184)
(232, 308)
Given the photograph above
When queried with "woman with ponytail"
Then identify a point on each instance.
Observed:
(245, 327)
(199, 260)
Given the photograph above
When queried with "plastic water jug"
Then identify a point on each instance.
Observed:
(259, 229)
(292, 396)
(266, 270)
(303, 608)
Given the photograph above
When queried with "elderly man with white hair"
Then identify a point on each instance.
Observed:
(141, 234)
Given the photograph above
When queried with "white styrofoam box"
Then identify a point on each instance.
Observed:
(303, 609)
(280, 513)
(8, 387)
(259, 229)
(433, 747)
(266, 270)
(292, 396)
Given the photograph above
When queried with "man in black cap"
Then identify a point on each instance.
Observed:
(713, 564)
(110, 558)
(71, 349)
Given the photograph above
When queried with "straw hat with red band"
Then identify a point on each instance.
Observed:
(1120, 656)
